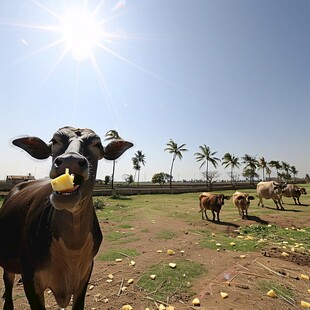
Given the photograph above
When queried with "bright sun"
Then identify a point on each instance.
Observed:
(81, 32)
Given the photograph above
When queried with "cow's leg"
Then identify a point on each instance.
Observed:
(246, 213)
(34, 296)
(298, 201)
(278, 204)
(261, 202)
(295, 200)
(8, 279)
(202, 211)
(79, 297)
(206, 214)
(213, 213)
(281, 205)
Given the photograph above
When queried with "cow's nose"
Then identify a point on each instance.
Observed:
(75, 162)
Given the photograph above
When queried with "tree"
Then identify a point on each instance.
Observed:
(251, 164)
(286, 168)
(128, 178)
(205, 157)
(262, 164)
(232, 161)
(249, 174)
(294, 172)
(107, 179)
(268, 172)
(136, 166)
(112, 135)
(275, 164)
(211, 177)
(138, 160)
(160, 178)
(176, 151)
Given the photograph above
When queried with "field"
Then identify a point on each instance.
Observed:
(243, 258)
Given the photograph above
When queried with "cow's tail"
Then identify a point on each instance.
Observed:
(200, 206)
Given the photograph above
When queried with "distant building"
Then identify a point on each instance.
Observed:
(15, 179)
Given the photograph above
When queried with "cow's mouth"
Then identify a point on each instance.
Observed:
(78, 180)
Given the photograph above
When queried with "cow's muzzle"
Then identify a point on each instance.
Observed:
(78, 165)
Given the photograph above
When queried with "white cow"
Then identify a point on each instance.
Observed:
(270, 190)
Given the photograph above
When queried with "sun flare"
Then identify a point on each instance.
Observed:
(81, 33)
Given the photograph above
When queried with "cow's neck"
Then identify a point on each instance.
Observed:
(74, 227)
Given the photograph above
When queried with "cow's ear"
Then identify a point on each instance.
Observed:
(227, 197)
(251, 197)
(116, 148)
(240, 197)
(36, 147)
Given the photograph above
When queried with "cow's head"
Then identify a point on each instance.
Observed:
(78, 150)
(246, 199)
(222, 198)
(279, 188)
(303, 191)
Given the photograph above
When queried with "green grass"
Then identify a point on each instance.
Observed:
(125, 226)
(277, 235)
(221, 241)
(171, 281)
(282, 291)
(113, 254)
(117, 235)
(165, 235)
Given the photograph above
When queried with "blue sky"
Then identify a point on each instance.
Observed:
(233, 75)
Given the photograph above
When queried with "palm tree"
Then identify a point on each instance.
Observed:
(112, 135)
(137, 160)
(275, 164)
(251, 164)
(294, 171)
(232, 161)
(262, 164)
(205, 157)
(268, 172)
(286, 167)
(136, 166)
(176, 150)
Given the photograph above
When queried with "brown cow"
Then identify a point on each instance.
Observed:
(294, 191)
(242, 203)
(51, 238)
(213, 202)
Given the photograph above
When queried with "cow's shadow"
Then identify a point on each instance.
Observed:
(293, 204)
(257, 219)
(223, 223)
(281, 210)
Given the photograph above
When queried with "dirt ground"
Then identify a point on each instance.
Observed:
(227, 271)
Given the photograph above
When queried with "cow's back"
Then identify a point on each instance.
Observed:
(291, 190)
(265, 189)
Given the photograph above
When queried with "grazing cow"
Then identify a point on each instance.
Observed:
(242, 203)
(51, 238)
(270, 190)
(213, 202)
(294, 191)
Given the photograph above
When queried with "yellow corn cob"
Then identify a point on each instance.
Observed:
(63, 183)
